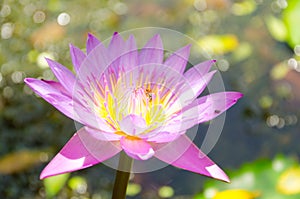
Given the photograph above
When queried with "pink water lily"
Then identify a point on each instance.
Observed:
(132, 100)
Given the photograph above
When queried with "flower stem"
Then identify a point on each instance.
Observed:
(122, 176)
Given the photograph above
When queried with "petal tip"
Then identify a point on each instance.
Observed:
(217, 173)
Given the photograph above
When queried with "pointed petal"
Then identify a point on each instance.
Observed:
(195, 88)
(93, 67)
(152, 52)
(199, 70)
(136, 148)
(116, 51)
(54, 93)
(81, 151)
(201, 110)
(77, 57)
(183, 153)
(116, 46)
(179, 59)
(91, 43)
(129, 58)
(64, 75)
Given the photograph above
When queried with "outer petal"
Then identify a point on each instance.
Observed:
(152, 52)
(77, 57)
(129, 58)
(183, 153)
(163, 137)
(202, 110)
(137, 148)
(59, 97)
(64, 75)
(195, 88)
(199, 70)
(80, 152)
(96, 62)
(102, 135)
(179, 59)
(54, 93)
(115, 48)
(91, 43)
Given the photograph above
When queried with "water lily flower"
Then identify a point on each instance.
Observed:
(132, 100)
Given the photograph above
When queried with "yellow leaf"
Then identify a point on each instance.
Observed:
(19, 161)
(236, 194)
(219, 44)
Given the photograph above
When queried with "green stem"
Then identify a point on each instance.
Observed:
(122, 176)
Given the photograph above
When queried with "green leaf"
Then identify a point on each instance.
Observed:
(278, 178)
(78, 184)
(54, 184)
(291, 18)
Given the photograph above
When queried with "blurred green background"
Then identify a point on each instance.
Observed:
(257, 45)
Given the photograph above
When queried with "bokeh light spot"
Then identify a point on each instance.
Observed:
(133, 189)
(5, 11)
(200, 5)
(41, 61)
(272, 120)
(166, 192)
(7, 30)
(120, 8)
(8, 92)
(223, 65)
(39, 17)
(17, 77)
(63, 19)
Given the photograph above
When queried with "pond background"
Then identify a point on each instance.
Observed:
(257, 46)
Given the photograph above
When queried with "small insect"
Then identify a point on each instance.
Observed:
(217, 111)
(149, 94)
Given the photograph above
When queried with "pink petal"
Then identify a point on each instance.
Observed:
(136, 148)
(102, 135)
(201, 110)
(81, 151)
(54, 93)
(58, 96)
(91, 43)
(198, 70)
(129, 58)
(183, 153)
(64, 75)
(93, 67)
(163, 137)
(179, 59)
(132, 124)
(77, 57)
(115, 48)
(152, 52)
(195, 88)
